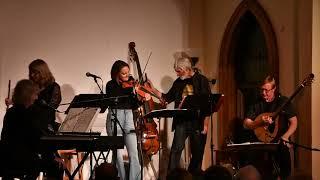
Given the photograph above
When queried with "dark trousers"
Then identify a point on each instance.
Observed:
(269, 164)
(197, 144)
(284, 161)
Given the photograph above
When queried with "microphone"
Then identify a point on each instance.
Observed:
(92, 75)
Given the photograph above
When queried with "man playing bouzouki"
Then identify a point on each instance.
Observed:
(261, 119)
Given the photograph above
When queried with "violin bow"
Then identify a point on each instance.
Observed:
(9, 87)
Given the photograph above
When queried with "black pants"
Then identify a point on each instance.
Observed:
(269, 164)
(51, 168)
(197, 143)
(282, 157)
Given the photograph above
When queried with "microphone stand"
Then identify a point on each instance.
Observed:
(213, 81)
(115, 129)
(95, 80)
(211, 138)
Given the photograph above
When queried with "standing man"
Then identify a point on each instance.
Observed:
(188, 82)
(287, 122)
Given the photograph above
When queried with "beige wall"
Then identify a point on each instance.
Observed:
(75, 37)
(291, 20)
(218, 14)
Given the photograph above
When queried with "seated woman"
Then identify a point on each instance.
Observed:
(23, 125)
(19, 135)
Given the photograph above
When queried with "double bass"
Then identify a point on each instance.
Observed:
(148, 128)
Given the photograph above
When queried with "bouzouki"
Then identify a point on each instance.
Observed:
(267, 134)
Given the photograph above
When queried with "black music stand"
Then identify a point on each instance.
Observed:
(84, 144)
(168, 113)
(215, 101)
(204, 104)
(103, 102)
(90, 100)
(208, 103)
(113, 105)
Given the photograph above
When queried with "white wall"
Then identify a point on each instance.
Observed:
(75, 37)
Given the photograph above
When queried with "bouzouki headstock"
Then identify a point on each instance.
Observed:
(308, 80)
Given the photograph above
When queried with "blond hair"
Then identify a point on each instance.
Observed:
(42, 67)
(269, 79)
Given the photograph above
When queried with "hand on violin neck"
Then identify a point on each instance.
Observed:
(143, 97)
(163, 103)
(147, 97)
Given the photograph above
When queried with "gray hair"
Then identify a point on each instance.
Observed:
(183, 63)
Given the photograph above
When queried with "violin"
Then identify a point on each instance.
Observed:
(128, 84)
(141, 90)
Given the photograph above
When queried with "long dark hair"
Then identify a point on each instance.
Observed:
(116, 67)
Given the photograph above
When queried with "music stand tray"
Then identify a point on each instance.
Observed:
(204, 102)
(89, 100)
(253, 146)
(169, 113)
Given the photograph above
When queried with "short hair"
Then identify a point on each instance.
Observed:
(106, 171)
(183, 63)
(269, 79)
(23, 91)
(116, 68)
(42, 67)
(248, 172)
(179, 174)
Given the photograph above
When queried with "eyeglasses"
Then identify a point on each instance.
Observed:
(265, 90)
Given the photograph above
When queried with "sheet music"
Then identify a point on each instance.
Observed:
(250, 143)
(252, 146)
(79, 119)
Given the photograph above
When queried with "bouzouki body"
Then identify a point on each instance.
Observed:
(265, 133)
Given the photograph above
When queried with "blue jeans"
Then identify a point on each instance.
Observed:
(125, 118)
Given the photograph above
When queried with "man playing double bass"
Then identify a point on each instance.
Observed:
(286, 123)
(188, 82)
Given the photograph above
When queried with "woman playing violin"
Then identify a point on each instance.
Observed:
(120, 86)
